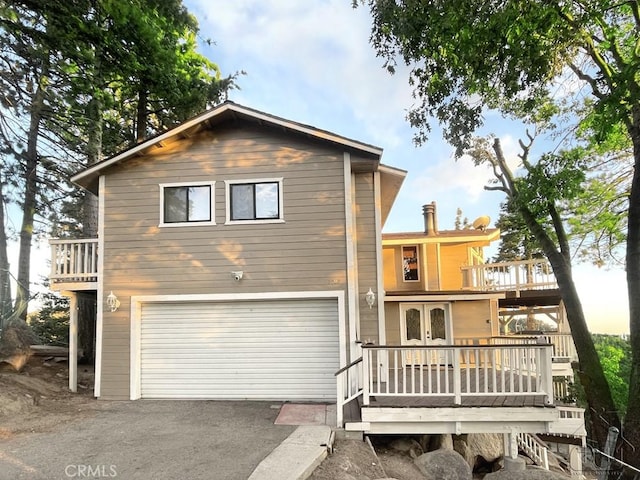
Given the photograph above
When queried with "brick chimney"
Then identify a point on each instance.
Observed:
(430, 219)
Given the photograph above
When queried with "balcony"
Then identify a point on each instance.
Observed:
(516, 276)
(459, 375)
(74, 264)
(489, 388)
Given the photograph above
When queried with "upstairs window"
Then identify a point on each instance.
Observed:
(410, 264)
(254, 201)
(187, 204)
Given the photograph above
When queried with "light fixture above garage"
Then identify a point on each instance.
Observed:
(370, 298)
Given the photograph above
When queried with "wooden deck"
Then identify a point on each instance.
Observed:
(382, 394)
(493, 401)
(439, 386)
(485, 387)
(459, 380)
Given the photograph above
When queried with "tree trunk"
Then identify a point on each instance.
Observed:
(631, 431)
(5, 278)
(141, 116)
(602, 412)
(30, 196)
(86, 314)
(94, 155)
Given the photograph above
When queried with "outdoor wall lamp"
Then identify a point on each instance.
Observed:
(370, 298)
(237, 276)
(112, 302)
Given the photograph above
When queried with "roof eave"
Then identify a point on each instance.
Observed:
(88, 178)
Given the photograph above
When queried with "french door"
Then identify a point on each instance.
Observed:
(425, 324)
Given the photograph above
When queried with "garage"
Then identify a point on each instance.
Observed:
(260, 350)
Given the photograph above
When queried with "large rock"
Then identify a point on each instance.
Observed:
(528, 474)
(443, 464)
(408, 446)
(489, 446)
(436, 442)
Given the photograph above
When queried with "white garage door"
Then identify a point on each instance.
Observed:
(267, 350)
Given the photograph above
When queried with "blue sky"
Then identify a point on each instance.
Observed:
(311, 62)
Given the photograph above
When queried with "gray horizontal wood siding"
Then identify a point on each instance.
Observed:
(366, 254)
(306, 252)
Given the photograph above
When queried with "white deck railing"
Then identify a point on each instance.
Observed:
(457, 371)
(509, 276)
(563, 345)
(349, 384)
(570, 423)
(536, 450)
(74, 260)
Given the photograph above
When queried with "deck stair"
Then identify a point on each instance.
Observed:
(534, 448)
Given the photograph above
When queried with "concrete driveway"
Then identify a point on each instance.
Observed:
(149, 439)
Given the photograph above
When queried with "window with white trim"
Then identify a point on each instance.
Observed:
(254, 201)
(187, 204)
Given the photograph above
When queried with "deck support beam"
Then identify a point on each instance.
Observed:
(73, 341)
(510, 445)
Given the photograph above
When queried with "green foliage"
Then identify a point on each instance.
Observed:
(615, 356)
(554, 178)
(469, 54)
(597, 217)
(516, 241)
(51, 322)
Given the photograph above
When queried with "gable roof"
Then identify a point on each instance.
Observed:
(227, 111)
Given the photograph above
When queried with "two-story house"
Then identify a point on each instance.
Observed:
(237, 258)
(240, 255)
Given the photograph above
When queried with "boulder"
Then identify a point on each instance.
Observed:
(444, 441)
(489, 446)
(443, 464)
(408, 446)
(528, 474)
(436, 442)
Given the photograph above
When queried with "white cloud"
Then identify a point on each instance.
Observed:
(447, 174)
(293, 50)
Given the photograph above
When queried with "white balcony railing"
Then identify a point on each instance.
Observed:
(74, 260)
(563, 345)
(570, 423)
(457, 371)
(509, 276)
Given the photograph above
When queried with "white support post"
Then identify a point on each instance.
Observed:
(457, 382)
(546, 373)
(342, 394)
(575, 460)
(73, 342)
(366, 377)
(511, 445)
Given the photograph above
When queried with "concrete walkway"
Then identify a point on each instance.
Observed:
(296, 457)
(299, 454)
